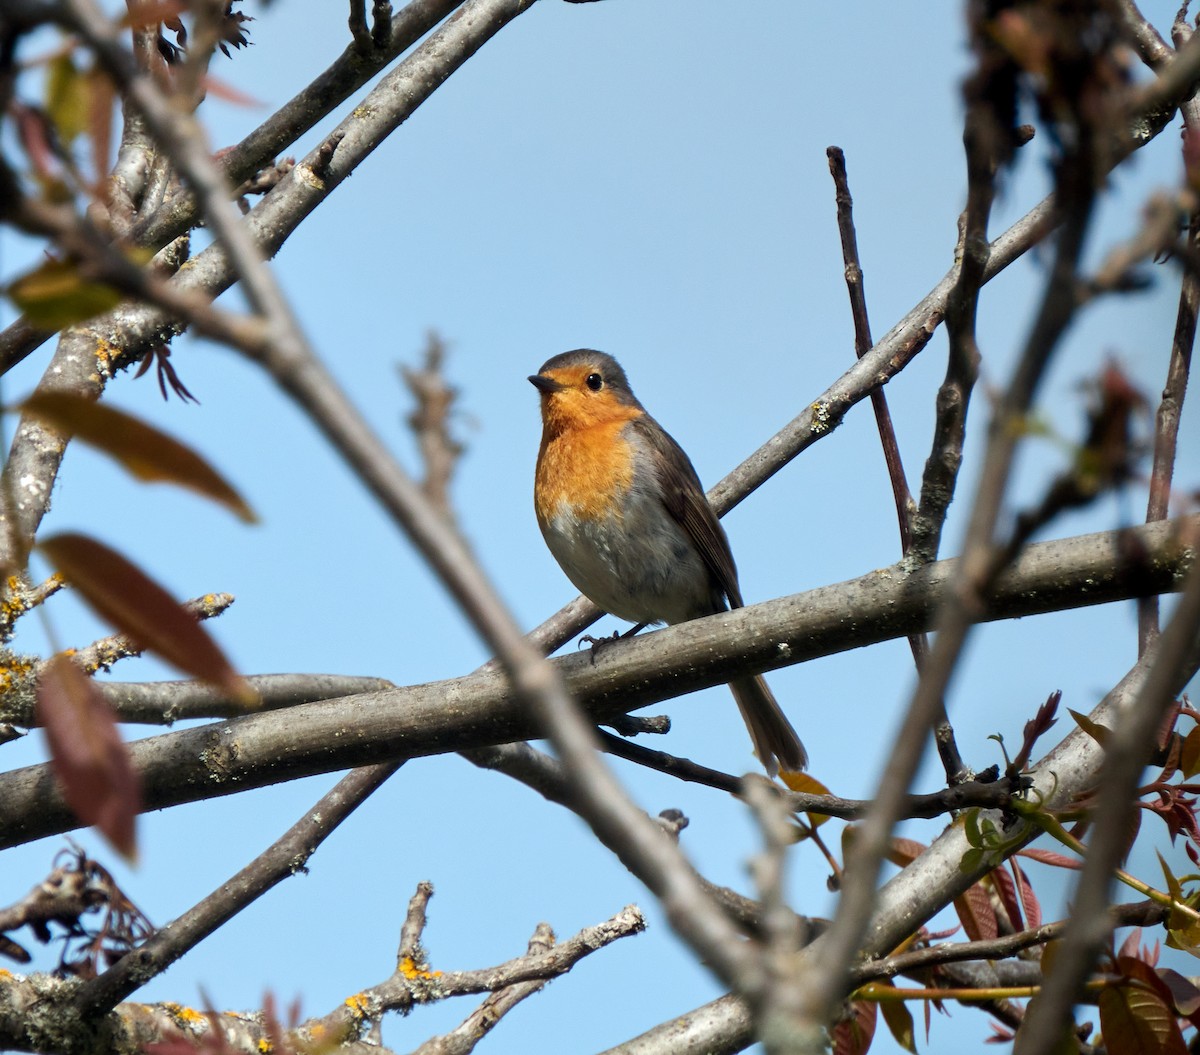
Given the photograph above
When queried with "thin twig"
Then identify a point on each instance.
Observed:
(1125, 752)
(430, 422)
(226, 757)
(181, 136)
(414, 925)
(102, 654)
(956, 771)
(284, 858)
(463, 1038)
(1142, 914)
(409, 987)
(781, 929)
(682, 768)
(1170, 409)
(862, 344)
(824, 988)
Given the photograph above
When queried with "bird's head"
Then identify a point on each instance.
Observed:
(583, 388)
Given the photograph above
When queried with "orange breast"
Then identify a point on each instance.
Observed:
(588, 469)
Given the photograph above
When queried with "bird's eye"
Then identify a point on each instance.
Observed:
(595, 382)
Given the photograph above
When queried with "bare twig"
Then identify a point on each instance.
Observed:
(463, 1038)
(1125, 753)
(128, 1026)
(159, 223)
(430, 422)
(410, 985)
(20, 597)
(906, 511)
(167, 702)
(862, 345)
(102, 654)
(226, 757)
(1153, 50)
(282, 859)
(1166, 430)
(682, 768)
(782, 931)
(1076, 188)
(636, 724)
(1142, 914)
(358, 27)
(414, 926)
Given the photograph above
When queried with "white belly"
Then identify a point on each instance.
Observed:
(637, 566)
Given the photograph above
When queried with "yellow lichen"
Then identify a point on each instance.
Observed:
(410, 970)
(184, 1016)
(358, 1005)
(264, 1045)
(105, 355)
(14, 671)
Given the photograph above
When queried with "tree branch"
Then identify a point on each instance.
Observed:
(479, 709)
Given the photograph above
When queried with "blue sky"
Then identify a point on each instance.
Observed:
(649, 180)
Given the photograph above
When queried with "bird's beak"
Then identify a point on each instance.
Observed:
(546, 385)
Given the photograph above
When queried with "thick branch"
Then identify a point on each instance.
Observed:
(480, 709)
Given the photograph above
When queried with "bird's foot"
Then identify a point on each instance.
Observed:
(598, 644)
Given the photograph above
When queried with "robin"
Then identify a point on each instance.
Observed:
(623, 512)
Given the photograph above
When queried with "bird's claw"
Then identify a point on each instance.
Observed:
(597, 644)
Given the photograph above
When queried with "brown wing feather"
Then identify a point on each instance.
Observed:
(683, 495)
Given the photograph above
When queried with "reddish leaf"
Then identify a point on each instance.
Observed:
(1129, 947)
(1141, 968)
(228, 93)
(138, 606)
(89, 758)
(1007, 891)
(1184, 995)
(34, 133)
(101, 96)
(904, 851)
(853, 1035)
(1049, 857)
(974, 908)
(143, 450)
(1029, 900)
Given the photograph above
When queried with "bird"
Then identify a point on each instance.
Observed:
(623, 512)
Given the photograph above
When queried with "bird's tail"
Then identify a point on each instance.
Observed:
(775, 741)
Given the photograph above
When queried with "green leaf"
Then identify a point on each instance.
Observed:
(143, 450)
(54, 295)
(136, 605)
(1136, 1021)
(1099, 733)
(68, 101)
(1189, 754)
(898, 1018)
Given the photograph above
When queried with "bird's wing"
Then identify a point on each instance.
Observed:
(683, 496)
